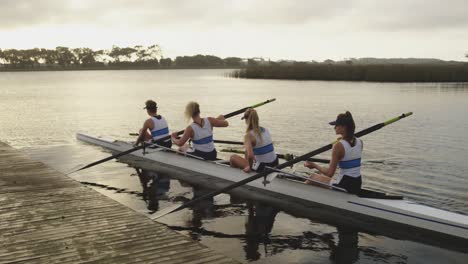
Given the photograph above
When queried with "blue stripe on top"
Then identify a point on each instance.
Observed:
(348, 164)
(204, 140)
(264, 150)
(160, 132)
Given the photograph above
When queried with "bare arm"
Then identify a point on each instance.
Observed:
(220, 121)
(147, 125)
(249, 155)
(337, 155)
(188, 133)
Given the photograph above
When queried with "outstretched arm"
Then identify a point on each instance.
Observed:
(220, 121)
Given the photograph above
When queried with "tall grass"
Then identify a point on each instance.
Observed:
(370, 73)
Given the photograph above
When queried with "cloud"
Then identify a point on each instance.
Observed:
(417, 15)
(21, 13)
(280, 28)
(357, 14)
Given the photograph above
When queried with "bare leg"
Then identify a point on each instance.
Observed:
(237, 161)
(319, 178)
(184, 148)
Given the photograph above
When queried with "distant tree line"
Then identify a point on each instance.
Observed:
(117, 57)
(455, 72)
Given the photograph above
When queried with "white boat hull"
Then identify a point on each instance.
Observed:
(398, 217)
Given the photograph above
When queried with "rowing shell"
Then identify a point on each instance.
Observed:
(371, 211)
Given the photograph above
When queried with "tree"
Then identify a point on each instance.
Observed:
(64, 56)
(151, 53)
(233, 62)
(251, 62)
(84, 56)
(167, 62)
(199, 61)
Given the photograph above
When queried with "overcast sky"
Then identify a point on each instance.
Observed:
(287, 29)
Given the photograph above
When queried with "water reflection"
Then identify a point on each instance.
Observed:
(205, 209)
(155, 187)
(346, 250)
(259, 223)
(258, 239)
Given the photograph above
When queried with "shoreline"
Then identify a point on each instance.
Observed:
(111, 69)
(380, 73)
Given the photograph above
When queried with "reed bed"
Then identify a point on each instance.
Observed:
(369, 73)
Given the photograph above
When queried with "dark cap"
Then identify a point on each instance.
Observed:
(343, 120)
(150, 105)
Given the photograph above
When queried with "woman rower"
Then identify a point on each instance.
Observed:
(201, 133)
(259, 150)
(346, 154)
(155, 128)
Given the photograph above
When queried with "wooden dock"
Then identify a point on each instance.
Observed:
(47, 217)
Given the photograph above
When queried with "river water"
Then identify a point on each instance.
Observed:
(422, 157)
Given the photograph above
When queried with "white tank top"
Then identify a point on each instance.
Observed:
(160, 129)
(203, 136)
(263, 151)
(350, 164)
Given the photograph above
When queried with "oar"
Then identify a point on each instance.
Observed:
(282, 165)
(229, 142)
(240, 111)
(214, 140)
(287, 156)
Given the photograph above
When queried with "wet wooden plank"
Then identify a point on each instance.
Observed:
(47, 217)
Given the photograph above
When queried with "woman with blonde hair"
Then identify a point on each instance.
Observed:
(259, 150)
(200, 131)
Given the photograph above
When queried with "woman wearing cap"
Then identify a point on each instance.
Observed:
(346, 154)
(200, 132)
(259, 150)
(155, 128)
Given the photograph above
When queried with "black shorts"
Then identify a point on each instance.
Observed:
(212, 155)
(262, 166)
(350, 184)
(166, 144)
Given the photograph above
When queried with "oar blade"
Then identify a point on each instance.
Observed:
(165, 211)
(74, 169)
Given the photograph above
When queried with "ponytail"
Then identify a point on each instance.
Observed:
(253, 122)
(350, 128)
(191, 110)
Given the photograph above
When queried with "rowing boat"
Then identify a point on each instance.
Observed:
(370, 211)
